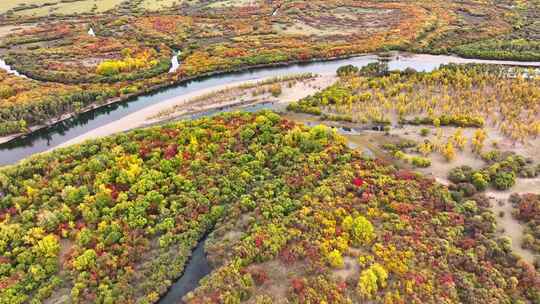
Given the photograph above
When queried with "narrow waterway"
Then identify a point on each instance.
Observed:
(196, 269)
(175, 64)
(4, 66)
(45, 139)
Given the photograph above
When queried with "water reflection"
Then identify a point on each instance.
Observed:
(48, 138)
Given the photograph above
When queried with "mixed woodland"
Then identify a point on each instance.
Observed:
(131, 49)
(287, 208)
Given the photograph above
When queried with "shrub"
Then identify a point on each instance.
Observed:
(480, 181)
(347, 70)
(275, 90)
(421, 162)
(504, 180)
(467, 189)
(335, 259)
(460, 174)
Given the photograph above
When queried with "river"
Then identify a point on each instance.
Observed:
(197, 267)
(47, 138)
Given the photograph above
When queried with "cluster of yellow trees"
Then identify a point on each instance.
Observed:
(476, 93)
(128, 64)
(456, 142)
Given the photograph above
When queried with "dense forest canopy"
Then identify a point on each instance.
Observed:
(287, 213)
(114, 220)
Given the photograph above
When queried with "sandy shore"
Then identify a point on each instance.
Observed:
(146, 116)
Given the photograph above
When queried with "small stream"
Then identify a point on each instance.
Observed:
(175, 64)
(4, 66)
(196, 269)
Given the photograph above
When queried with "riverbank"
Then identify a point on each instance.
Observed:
(399, 60)
(148, 115)
(171, 83)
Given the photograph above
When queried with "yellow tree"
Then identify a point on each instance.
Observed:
(449, 152)
(459, 140)
(478, 140)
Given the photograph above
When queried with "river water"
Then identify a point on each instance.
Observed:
(48, 138)
(197, 266)
(4, 66)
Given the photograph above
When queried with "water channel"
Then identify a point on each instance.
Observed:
(47, 138)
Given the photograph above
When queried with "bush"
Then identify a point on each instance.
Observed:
(467, 189)
(275, 90)
(421, 162)
(460, 174)
(335, 259)
(347, 70)
(504, 180)
(480, 181)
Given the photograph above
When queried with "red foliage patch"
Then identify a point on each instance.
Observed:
(405, 175)
(402, 208)
(143, 151)
(358, 182)
(468, 243)
(298, 285)
(287, 256)
(171, 151)
(259, 240)
(114, 191)
(259, 275)
(447, 279)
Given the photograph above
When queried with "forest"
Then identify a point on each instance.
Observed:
(367, 185)
(114, 220)
(130, 49)
(467, 96)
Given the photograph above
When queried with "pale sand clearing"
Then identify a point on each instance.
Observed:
(146, 116)
(507, 225)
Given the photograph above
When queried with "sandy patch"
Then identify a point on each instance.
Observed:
(144, 117)
(351, 269)
(507, 225)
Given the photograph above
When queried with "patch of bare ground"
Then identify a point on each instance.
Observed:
(507, 225)
(350, 270)
(10, 29)
(219, 244)
(278, 282)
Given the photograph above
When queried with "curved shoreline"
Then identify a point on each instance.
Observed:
(173, 83)
(142, 117)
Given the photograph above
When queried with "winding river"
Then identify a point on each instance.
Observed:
(62, 132)
(48, 138)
